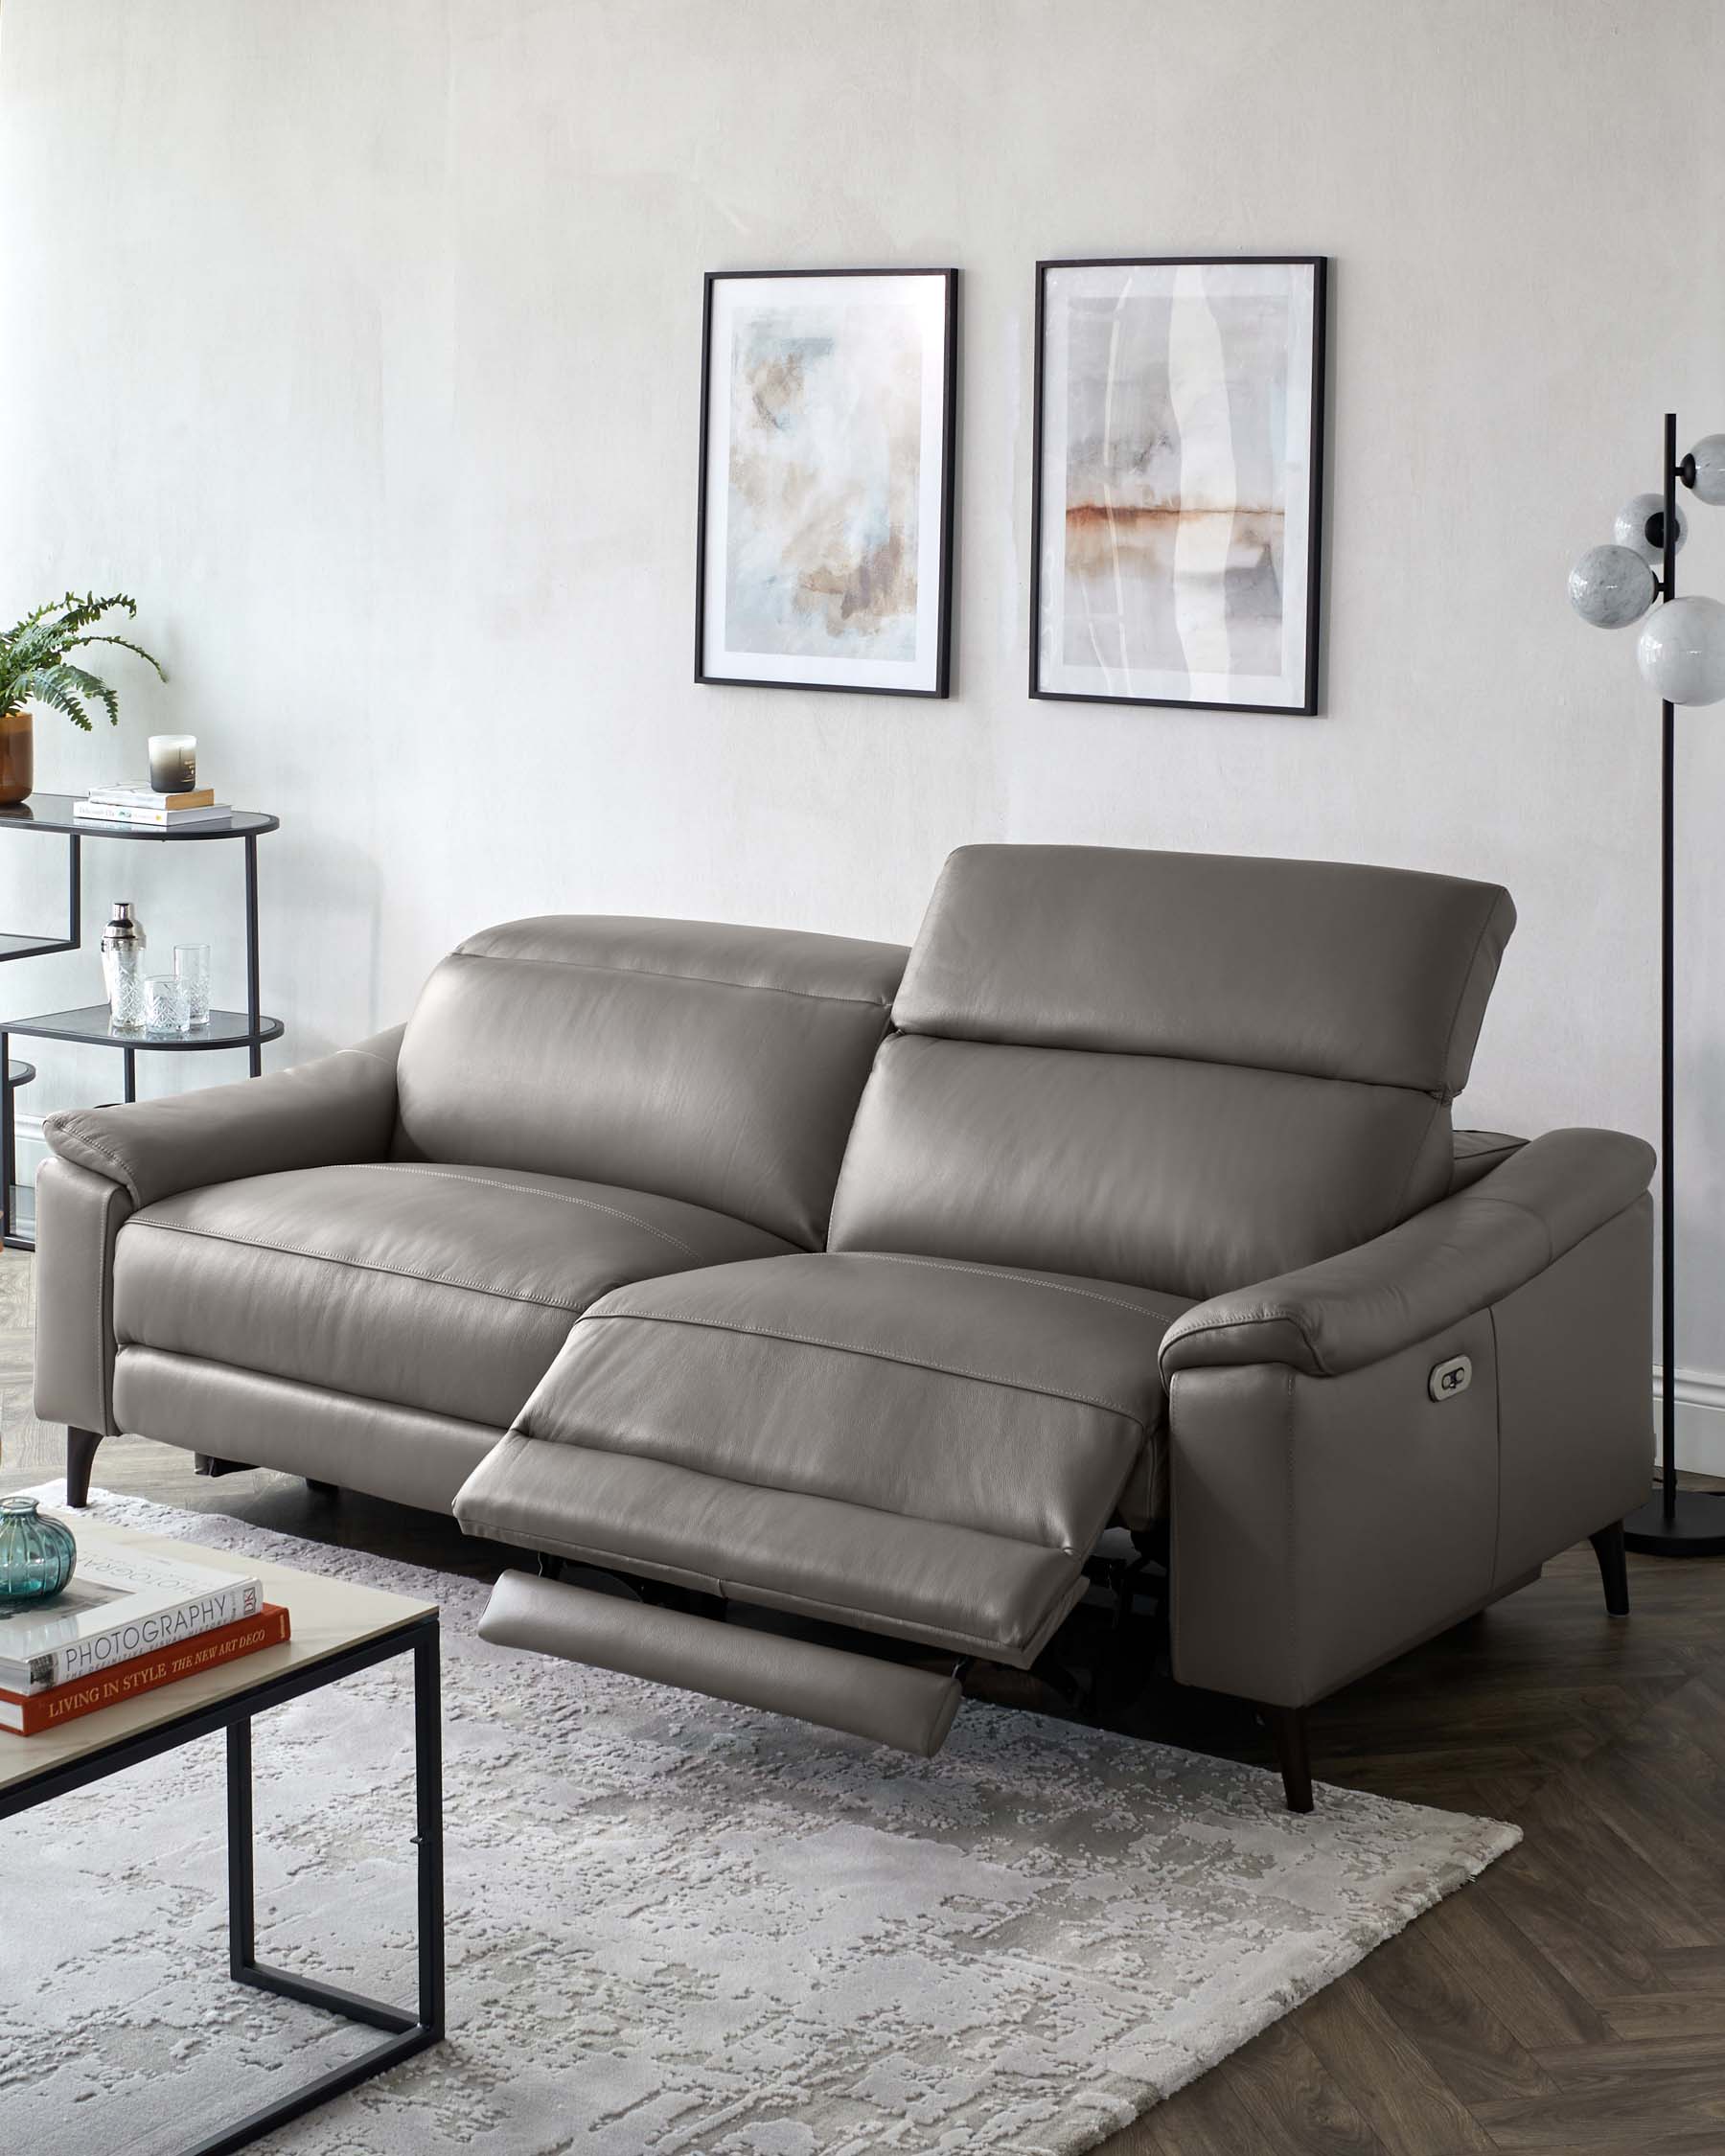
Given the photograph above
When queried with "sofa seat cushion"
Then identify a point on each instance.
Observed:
(912, 1446)
(449, 1289)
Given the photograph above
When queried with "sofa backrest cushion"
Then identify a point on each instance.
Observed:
(1186, 1072)
(714, 1063)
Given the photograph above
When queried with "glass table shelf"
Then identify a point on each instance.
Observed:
(53, 811)
(226, 1029)
(33, 947)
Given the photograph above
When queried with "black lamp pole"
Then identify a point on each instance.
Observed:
(1676, 1522)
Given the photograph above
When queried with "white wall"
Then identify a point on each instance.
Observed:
(359, 338)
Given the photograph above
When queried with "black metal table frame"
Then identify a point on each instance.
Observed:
(406, 2032)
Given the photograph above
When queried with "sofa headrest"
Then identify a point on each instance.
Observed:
(694, 1059)
(1322, 968)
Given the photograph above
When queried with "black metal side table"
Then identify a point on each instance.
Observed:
(89, 1023)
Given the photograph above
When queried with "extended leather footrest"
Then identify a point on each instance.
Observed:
(886, 1702)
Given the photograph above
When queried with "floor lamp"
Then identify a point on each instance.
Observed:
(1681, 656)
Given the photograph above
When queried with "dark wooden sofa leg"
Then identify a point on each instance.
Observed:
(1614, 1567)
(1287, 1724)
(207, 1463)
(80, 1458)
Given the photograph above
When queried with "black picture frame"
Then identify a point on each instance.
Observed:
(1318, 264)
(943, 631)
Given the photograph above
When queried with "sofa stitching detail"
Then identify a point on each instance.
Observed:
(1290, 1471)
(104, 1329)
(1268, 1315)
(362, 1265)
(877, 1354)
(1013, 1279)
(655, 973)
(73, 1124)
(108, 1345)
(526, 1190)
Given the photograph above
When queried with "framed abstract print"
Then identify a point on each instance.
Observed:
(1177, 484)
(824, 543)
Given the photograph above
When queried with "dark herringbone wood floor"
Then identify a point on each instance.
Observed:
(1573, 2000)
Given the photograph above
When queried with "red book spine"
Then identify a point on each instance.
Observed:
(28, 1714)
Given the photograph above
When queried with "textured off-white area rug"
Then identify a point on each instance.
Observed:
(677, 1927)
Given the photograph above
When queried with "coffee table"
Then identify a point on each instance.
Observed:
(337, 1630)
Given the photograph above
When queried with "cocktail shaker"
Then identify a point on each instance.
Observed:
(123, 943)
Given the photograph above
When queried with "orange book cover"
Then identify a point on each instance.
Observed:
(24, 1714)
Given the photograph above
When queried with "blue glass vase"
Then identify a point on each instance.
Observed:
(36, 1555)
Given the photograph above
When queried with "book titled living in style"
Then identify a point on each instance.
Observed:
(120, 1604)
(28, 1714)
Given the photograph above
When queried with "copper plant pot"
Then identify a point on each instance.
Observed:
(17, 757)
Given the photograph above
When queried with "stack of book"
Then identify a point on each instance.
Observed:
(127, 1622)
(143, 805)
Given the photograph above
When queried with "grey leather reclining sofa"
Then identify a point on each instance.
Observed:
(783, 1273)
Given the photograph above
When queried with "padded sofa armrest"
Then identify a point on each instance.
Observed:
(319, 1115)
(1456, 1257)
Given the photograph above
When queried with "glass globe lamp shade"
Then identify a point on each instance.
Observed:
(1709, 459)
(1640, 518)
(1611, 586)
(1680, 652)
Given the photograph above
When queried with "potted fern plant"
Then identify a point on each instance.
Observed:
(35, 668)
